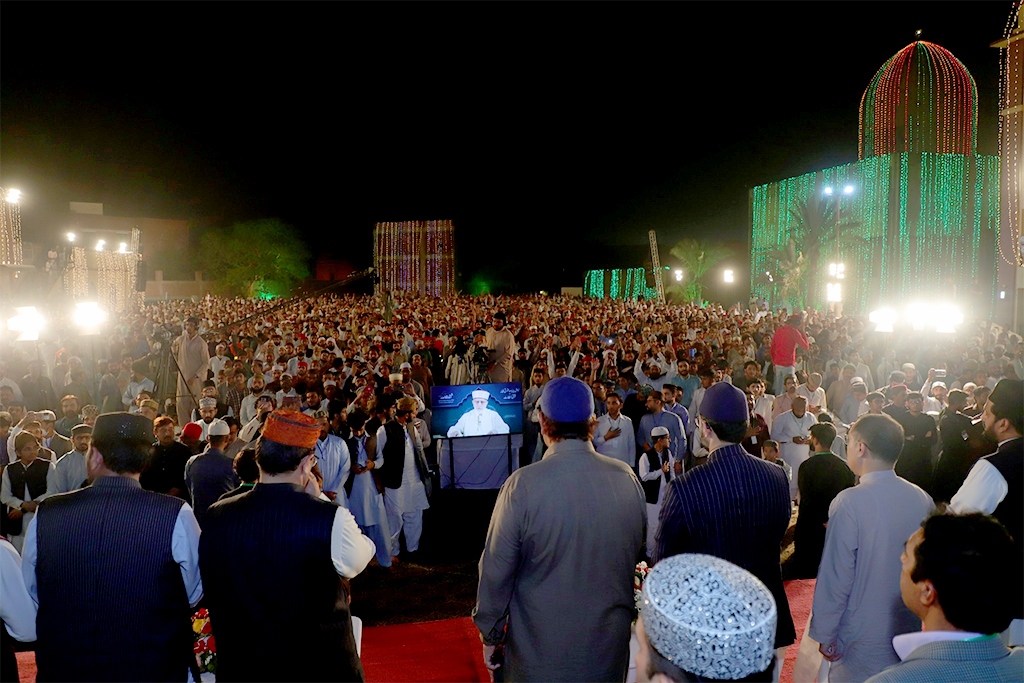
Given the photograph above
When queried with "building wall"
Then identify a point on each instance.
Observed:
(929, 221)
(158, 234)
(158, 288)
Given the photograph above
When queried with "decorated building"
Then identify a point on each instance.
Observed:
(415, 256)
(918, 211)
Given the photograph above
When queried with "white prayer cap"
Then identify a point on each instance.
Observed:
(219, 428)
(480, 393)
(395, 377)
(709, 617)
(659, 431)
(330, 383)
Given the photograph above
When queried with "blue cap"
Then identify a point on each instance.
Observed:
(567, 400)
(724, 403)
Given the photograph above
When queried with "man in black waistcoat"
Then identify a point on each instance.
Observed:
(114, 569)
(405, 475)
(995, 485)
(272, 562)
(961, 447)
(23, 488)
(819, 480)
(920, 433)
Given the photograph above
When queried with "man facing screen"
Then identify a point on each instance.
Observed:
(480, 421)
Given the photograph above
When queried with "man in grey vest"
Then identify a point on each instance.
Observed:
(114, 569)
(561, 550)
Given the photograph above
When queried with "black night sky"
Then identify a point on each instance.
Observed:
(553, 134)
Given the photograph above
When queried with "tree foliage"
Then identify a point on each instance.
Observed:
(698, 257)
(789, 277)
(263, 257)
(818, 231)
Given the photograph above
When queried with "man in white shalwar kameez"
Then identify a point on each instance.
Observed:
(792, 429)
(480, 421)
(405, 475)
(193, 356)
(365, 501)
(335, 463)
(652, 473)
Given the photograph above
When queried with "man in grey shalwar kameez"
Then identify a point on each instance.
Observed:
(857, 603)
(561, 550)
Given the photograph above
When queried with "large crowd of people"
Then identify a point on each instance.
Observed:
(667, 433)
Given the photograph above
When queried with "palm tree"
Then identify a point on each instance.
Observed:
(697, 258)
(818, 231)
(789, 274)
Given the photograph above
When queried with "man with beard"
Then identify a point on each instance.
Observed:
(654, 375)
(166, 471)
(37, 388)
(995, 484)
(248, 406)
(500, 344)
(686, 380)
(69, 411)
(71, 470)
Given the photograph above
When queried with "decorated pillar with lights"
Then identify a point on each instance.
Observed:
(415, 256)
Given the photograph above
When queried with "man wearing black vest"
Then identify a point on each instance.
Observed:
(23, 487)
(405, 476)
(654, 467)
(114, 569)
(272, 559)
(995, 485)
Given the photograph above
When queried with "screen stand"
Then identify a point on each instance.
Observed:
(510, 454)
(451, 460)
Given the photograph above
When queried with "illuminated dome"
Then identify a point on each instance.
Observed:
(921, 100)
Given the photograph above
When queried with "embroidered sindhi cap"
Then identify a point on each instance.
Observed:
(291, 428)
(111, 428)
(724, 403)
(709, 617)
(567, 400)
(407, 404)
(207, 402)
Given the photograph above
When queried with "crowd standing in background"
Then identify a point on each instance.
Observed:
(716, 421)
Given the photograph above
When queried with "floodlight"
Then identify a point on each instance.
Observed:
(828, 190)
(99, 245)
(71, 237)
(728, 276)
(883, 319)
(769, 274)
(1002, 294)
(946, 317)
(834, 291)
(918, 315)
(837, 270)
(679, 274)
(89, 317)
(13, 196)
(848, 189)
(123, 249)
(26, 323)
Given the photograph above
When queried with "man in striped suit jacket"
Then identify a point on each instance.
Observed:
(734, 506)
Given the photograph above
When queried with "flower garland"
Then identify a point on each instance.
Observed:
(205, 647)
(639, 576)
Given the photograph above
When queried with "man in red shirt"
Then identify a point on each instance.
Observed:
(783, 349)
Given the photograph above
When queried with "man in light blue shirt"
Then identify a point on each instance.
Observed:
(657, 416)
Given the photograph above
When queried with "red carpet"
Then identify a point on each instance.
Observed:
(450, 649)
(446, 650)
(801, 596)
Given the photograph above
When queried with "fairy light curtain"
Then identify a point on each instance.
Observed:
(415, 256)
(620, 283)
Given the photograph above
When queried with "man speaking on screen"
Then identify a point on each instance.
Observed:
(480, 421)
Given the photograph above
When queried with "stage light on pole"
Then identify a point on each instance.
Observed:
(99, 245)
(848, 189)
(71, 237)
(834, 292)
(1002, 294)
(837, 270)
(123, 249)
(89, 317)
(27, 323)
(679, 274)
(883, 319)
(13, 196)
(946, 317)
(769, 274)
(728, 275)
